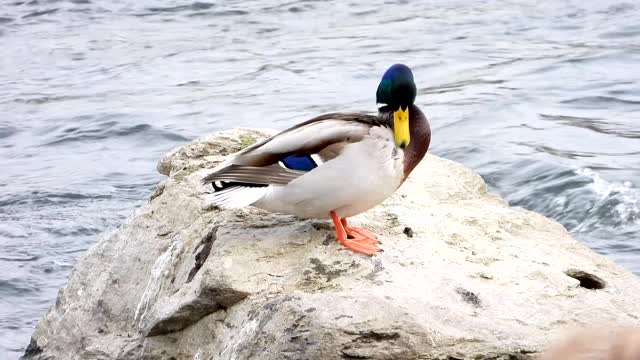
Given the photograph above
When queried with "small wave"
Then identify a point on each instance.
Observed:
(629, 32)
(580, 199)
(599, 101)
(105, 130)
(194, 6)
(15, 288)
(4, 20)
(618, 8)
(267, 30)
(19, 258)
(109, 129)
(73, 231)
(603, 187)
(462, 85)
(40, 13)
(617, 201)
(588, 58)
(231, 13)
(299, 9)
(7, 131)
(190, 83)
(47, 197)
(571, 154)
(595, 124)
(365, 12)
(293, 7)
(7, 230)
(45, 99)
(219, 13)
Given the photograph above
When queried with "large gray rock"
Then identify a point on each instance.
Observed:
(462, 276)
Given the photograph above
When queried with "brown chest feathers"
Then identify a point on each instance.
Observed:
(420, 133)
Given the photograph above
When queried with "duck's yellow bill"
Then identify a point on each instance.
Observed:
(401, 127)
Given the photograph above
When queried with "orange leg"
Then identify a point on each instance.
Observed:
(358, 243)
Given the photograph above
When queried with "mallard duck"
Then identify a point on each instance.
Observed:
(333, 166)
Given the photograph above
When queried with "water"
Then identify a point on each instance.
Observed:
(543, 101)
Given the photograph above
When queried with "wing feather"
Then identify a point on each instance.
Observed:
(310, 137)
(266, 175)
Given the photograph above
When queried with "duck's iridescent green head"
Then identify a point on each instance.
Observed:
(398, 91)
(397, 88)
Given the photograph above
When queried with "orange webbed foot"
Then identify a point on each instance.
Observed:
(360, 246)
(354, 238)
(353, 231)
(359, 233)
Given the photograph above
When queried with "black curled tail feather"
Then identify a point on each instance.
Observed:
(219, 186)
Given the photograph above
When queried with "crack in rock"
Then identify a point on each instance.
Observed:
(205, 249)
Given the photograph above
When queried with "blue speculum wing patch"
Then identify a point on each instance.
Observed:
(299, 162)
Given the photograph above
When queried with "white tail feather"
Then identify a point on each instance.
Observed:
(237, 196)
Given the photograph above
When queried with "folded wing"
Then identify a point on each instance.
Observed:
(245, 177)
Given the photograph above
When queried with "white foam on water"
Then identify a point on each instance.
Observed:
(624, 192)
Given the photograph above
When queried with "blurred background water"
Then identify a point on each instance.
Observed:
(541, 99)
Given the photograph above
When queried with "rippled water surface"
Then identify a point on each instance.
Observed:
(543, 100)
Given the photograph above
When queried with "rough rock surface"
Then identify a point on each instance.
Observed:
(462, 276)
